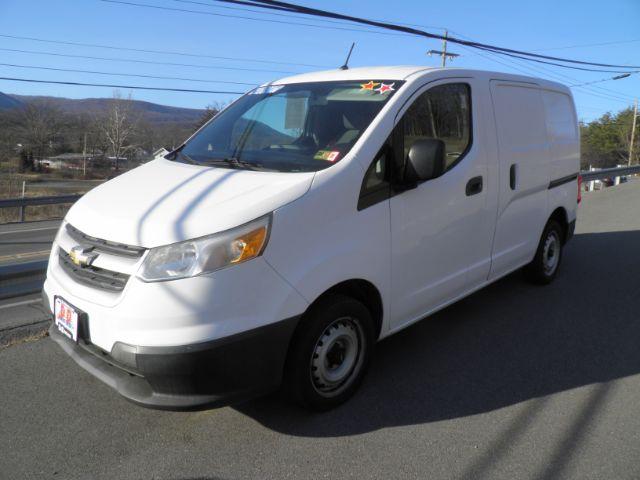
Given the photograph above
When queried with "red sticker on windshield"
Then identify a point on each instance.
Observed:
(326, 155)
(384, 88)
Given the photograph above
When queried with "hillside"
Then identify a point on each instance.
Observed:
(7, 102)
(152, 112)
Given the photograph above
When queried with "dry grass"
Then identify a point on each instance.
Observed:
(11, 187)
(30, 338)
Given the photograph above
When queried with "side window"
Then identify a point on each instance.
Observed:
(375, 185)
(442, 112)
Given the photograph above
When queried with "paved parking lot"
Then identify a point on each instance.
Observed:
(515, 381)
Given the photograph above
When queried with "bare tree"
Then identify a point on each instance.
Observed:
(41, 122)
(210, 112)
(119, 126)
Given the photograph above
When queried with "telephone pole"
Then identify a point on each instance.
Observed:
(443, 53)
(84, 157)
(444, 49)
(633, 131)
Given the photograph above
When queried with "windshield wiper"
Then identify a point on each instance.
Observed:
(233, 162)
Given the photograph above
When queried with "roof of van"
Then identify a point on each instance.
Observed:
(403, 72)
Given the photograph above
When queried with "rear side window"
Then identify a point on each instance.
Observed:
(442, 112)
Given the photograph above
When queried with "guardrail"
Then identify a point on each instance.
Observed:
(587, 176)
(22, 278)
(23, 202)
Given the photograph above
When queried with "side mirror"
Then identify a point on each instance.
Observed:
(425, 160)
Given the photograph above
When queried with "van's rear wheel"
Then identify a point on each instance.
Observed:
(544, 267)
(330, 352)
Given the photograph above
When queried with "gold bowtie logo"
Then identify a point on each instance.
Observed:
(82, 256)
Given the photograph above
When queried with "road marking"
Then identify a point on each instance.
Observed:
(18, 304)
(14, 256)
(30, 230)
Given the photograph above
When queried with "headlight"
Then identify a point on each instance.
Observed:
(206, 254)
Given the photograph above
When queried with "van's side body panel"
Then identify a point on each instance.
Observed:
(538, 145)
(441, 237)
(524, 173)
(564, 146)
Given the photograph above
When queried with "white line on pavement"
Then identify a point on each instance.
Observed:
(30, 230)
(18, 304)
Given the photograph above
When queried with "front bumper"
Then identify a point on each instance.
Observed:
(208, 374)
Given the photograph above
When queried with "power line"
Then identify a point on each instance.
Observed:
(603, 80)
(165, 52)
(617, 42)
(113, 74)
(134, 87)
(288, 7)
(273, 4)
(149, 62)
(531, 68)
(558, 76)
(289, 15)
(545, 62)
(268, 20)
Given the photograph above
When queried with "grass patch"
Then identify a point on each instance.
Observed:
(34, 337)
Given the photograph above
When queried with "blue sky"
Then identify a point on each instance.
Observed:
(554, 27)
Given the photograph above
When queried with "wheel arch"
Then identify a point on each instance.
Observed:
(560, 216)
(362, 290)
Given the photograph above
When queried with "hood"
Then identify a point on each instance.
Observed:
(164, 202)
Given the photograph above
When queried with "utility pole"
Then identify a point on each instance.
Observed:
(444, 49)
(443, 53)
(84, 157)
(633, 131)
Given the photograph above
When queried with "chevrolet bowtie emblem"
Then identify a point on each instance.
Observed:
(82, 255)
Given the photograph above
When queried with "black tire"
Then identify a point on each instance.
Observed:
(551, 243)
(327, 337)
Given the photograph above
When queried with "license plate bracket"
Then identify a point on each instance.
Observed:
(67, 318)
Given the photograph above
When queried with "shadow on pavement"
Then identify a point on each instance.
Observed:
(508, 343)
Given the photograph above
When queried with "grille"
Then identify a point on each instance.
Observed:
(92, 276)
(104, 245)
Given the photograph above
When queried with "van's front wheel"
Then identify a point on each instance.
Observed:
(330, 352)
(544, 266)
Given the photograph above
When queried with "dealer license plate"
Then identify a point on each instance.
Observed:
(66, 319)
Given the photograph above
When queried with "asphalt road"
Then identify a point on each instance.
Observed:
(23, 242)
(21, 317)
(514, 382)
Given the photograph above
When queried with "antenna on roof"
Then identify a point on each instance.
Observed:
(346, 62)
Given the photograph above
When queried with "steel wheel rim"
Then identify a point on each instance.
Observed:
(551, 253)
(337, 357)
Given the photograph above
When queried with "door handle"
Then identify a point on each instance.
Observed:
(474, 186)
(512, 177)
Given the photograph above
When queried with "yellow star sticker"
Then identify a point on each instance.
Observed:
(368, 86)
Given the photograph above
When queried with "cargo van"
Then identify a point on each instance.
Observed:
(309, 219)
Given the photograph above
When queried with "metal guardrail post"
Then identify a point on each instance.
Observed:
(22, 208)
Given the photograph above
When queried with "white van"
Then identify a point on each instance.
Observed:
(309, 219)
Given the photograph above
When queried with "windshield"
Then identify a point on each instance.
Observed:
(289, 128)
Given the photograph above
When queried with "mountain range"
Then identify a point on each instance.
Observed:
(152, 112)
